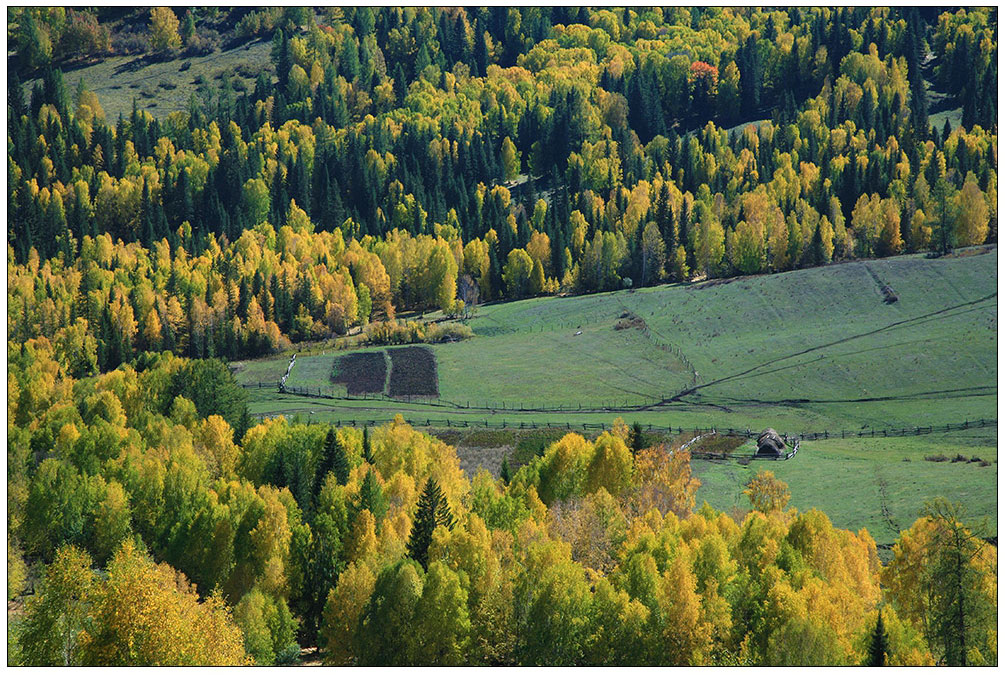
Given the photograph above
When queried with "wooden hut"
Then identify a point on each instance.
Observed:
(770, 444)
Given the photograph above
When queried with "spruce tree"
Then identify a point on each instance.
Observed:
(367, 450)
(880, 644)
(334, 459)
(504, 471)
(637, 440)
(433, 510)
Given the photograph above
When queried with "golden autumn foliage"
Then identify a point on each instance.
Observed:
(141, 613)
(590, 555)
(767, 493)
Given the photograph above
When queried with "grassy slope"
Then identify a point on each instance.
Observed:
(120, 79)
(810, 350)
(852, 479)
(528, 351)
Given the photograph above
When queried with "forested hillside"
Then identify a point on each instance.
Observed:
(409, 159)
(397, 160)
(375, 546)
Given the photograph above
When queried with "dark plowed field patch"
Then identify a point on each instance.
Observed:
(361, 373)
(413, 372)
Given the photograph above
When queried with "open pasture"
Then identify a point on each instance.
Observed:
(805, 351)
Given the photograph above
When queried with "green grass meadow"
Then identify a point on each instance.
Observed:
(805, 351)
(852, 480)
(163, 87)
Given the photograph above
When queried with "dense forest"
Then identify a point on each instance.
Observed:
(411, 159)
(222, 545)
(393, 160)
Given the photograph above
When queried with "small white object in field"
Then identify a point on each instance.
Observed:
(579, 332)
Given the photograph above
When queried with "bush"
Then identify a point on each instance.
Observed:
(84, 36)
(202, 44)
(448, 332)
(289, 656)
(394, 333)
(936, 458)
(412, 332)
(130, 43)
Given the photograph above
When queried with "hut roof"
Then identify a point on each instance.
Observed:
(770, 443)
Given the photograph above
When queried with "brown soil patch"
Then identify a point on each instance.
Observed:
(413, 372)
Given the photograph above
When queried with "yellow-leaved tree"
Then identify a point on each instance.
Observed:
(164, 29)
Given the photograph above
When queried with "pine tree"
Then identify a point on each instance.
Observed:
(504, 471)
(432, 511)
(367, 450)
(637, 440)
(880, 644)
(334, 460)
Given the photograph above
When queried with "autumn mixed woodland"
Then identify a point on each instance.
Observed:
(393, 162)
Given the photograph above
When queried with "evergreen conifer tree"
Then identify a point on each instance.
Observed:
(367, 450)
(433, 510)
(333, 459)
(879, 645)
(636, 439)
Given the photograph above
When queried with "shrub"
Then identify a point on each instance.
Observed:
(448, 332)
(83, 35)
(394, 333)
(130, 43)
(289, 656)
(202, 44)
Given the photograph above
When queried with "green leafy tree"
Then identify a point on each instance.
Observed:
(387, 625)
(552, 614)
(636, 438)
(318, 553)
(210, 385)
(333, 460)
(188, 29)
(510, 159)
(517, 273)
(367, 448)
(34, 43)
(504, 471)
(441, 625)
(963, 612)
(57, 614)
